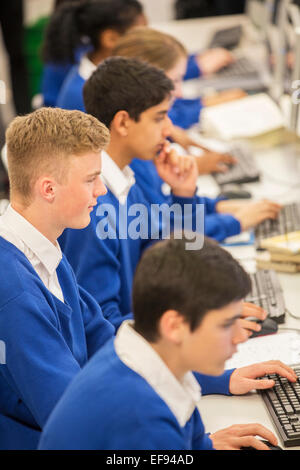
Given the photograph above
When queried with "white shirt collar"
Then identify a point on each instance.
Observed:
(25, 235)
(86, 67)
(181, 397)
(118, 181)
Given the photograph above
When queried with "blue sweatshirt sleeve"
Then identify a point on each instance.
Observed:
(97, 329)
(39, 363)
(217, 226)
(185, 112)
(52, 79)
(193, 70)
(214, 385)
(70, 95)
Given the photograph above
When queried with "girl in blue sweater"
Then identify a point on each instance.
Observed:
(167, 53)
(89, 29)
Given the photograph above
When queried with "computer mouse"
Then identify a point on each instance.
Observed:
(231, 191)
(271, 446)
(268, 327)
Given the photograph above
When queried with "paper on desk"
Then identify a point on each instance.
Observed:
(283, 346)
(246, 117)
(244, 238)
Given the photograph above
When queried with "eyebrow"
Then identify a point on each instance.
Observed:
(96, 173)
(161, 113)
(232, 319)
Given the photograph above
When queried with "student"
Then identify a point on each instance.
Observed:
(169, 54)
(85, 33)
(139, 391)
(82, 33)
(132, 98)
(50, 326)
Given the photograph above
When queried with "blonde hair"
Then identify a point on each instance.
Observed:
(42, 141)
(151, 46)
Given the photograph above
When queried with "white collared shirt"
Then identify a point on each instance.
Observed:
(181, 397)
(86, 67)
(42, 254)
(117, 181)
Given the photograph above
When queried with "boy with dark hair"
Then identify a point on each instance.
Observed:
(139, 391)
(132, 99)
(50, 326)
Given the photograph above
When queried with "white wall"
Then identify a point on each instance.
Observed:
(158, 10)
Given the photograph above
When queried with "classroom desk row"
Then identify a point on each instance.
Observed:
(277, 156)
(280, 180)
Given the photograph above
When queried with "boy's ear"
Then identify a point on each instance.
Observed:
(47, 188)
(108, 39)
(172, 326)
(121, 123)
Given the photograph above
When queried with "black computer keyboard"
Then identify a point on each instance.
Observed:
(244, 171)
(283, 404)
(227, 38)
(288, 221)
(267, 293)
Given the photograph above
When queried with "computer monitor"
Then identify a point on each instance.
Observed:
(261, 13)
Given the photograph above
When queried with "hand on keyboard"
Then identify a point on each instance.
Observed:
(211, 162)
(223, 97)
(243, 435)
(244, 379)
(254, 213)
(213, 60)
(231, 206)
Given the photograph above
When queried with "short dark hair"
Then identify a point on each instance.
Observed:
(192, 282)
(127, 84)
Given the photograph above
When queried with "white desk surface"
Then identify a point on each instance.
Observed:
(280, 169)
(279, 164)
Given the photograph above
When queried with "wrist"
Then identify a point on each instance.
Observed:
(186, 193)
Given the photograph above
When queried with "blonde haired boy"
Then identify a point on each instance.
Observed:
(50, 325)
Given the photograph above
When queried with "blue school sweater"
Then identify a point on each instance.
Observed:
(47, 343)
(70, 95)
(192, 70)
(105, 267)
(187, 112)
(109, 406)
(217, 226)
(54, 75)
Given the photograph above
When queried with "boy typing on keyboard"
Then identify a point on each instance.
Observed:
(139, 391)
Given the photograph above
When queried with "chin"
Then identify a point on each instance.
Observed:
(80, 224)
